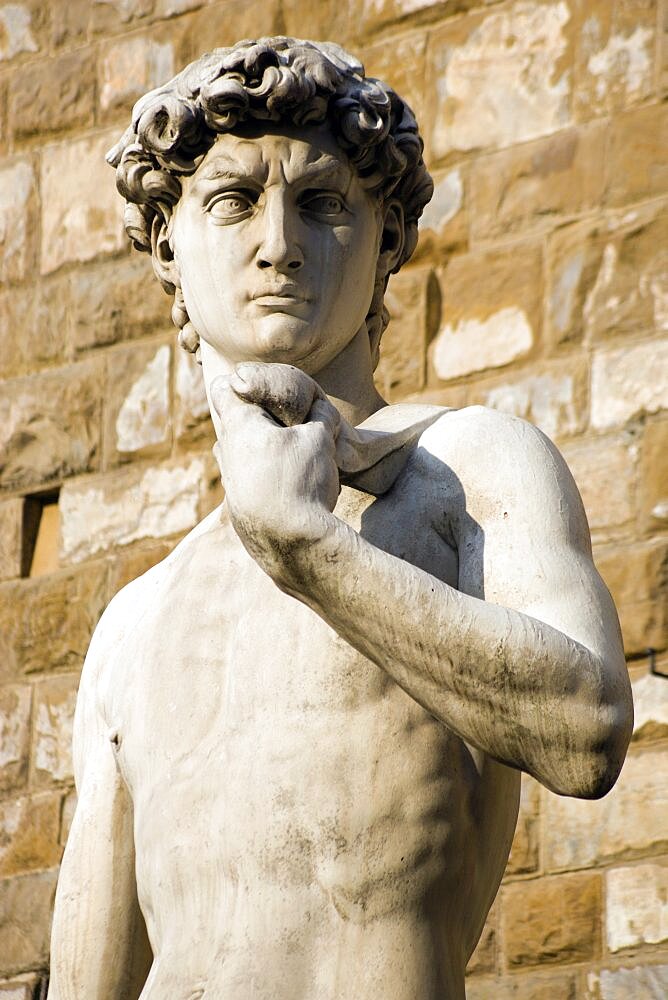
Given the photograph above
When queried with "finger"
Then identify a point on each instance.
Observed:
(283, 390)
(230, 407)
(325, 413)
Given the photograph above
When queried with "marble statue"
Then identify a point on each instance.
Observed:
(299, 738)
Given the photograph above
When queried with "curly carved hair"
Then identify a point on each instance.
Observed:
(274, 80)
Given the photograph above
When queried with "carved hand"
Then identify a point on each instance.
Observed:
(277, 456)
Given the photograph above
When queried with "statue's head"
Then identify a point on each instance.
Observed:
(313, 96)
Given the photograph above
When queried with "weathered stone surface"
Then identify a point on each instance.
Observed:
(15, 703)
(554, 400)
(650, 708)
(128, 505)
(132, 66)
(637, 576)
(325, 19)
(615, 55)
(637, 165)
(55, 700)
(608, 277)
(117, 300)
(485, 957)
(49, 425)
(604, 473)
(11, 520)
(644, 982)
(138, 421)
(47, 623)
(35, 320)
(22, 988)
(653, 475)
(71, 25)
(192, 408)
(623, 824)
(444, 224)
(66, 816)
(82, 215)
(18, 215)
(110, 15)
(551, 920)
(396, 63)
(25, 920)
(525, 852)
(498, 78)
(17, 30)
(542, 986)
(228, 22)
(409, 299)
(538, 184)
(490, 324)
(636, 907)
(56, 94)
(29, 833)
(628, 382)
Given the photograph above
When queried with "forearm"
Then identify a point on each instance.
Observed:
(516, 688)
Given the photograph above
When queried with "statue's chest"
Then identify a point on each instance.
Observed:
(223, 661)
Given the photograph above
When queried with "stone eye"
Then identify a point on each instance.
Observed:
(324, 204)
(231, 206)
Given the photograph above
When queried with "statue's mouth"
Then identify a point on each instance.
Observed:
(278, 295)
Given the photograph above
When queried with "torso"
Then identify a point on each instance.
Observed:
(304, 830)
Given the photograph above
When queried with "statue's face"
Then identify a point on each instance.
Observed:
(276, 244)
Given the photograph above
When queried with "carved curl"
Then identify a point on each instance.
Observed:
(276, 80)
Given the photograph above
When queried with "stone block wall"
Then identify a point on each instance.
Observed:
(540, 286)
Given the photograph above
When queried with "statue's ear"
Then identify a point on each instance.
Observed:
(392, 237)
(164, 265)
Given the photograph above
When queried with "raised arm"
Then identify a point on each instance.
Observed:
(525, 660)
(99, 947)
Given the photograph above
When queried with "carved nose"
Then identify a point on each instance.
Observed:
(279, 249)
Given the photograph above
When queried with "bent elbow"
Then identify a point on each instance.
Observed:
(598, 764)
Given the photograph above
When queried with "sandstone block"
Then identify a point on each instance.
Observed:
(36, 320)
(26, 903)
(637, 577)
(484, 958)
(630, 821)
(525, 852)
(132, 66)
(55, 700)
(18, 221)
(650, 708)
(129, 505)
(636, 907)
(541, 986)
(637, 166)
(53, 95)
(15, 702)
(325, 19)
(604, 473)
(653, 475)
(644, 982)
(49, 425)
(90, 224)
(551, 920)
(396, 64)
(192, 408)
(608, 278)
(19, 29)
(229, 22)
(71, 25)
(117, 300)
(11, 521)
(29, 834)
(615, 57)
(46, 623)
(21, 988)
(627, 382)
(404, 345)
(67, 815)
(444, 224)
(554, 400)
(488, 325)
(539, 184)
(137, 413)
(110, 15)
(497, 78)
